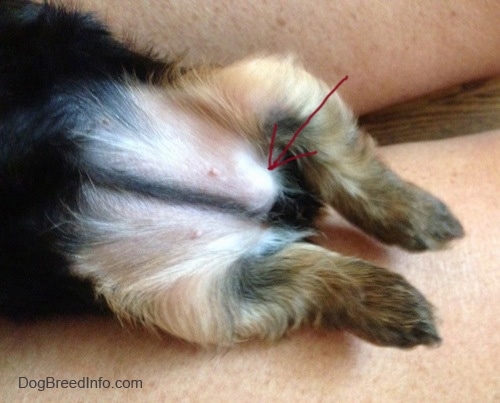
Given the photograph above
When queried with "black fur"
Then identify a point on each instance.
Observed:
(48, 57)
(42, 46)
(46, 54)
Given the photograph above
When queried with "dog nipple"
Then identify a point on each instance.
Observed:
(214, 172)
(196, 234)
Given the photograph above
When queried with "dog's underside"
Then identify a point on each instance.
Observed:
(131, 185)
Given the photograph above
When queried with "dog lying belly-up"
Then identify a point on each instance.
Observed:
(132, 185)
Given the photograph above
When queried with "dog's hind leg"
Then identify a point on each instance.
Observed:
(345, 172)
(214, 278)
(254, 284)
(306, 283)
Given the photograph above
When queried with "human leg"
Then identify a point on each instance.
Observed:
(390, 51)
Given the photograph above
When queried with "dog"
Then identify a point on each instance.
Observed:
(133, 185)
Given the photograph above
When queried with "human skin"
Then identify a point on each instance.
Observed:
(462, 282)
(391, 50)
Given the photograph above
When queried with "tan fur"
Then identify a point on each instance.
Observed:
(206, 277)
(162, 271)
(308, 284)
(345, 172)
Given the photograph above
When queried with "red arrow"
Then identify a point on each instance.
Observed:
(278, 161)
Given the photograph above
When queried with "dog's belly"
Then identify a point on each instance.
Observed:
(190, 195)
(135, 236)
(163, 144)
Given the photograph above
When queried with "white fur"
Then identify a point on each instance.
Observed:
(173, 146)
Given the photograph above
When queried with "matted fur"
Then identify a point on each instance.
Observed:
(133, 185)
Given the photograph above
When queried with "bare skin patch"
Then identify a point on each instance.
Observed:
(167, 144)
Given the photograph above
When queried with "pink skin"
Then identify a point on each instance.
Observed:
(390, 52)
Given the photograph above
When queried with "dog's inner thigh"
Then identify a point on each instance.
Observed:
(157, 256)
(158, 263)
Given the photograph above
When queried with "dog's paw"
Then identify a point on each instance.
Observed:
(391, 312)
(426, 222)
(433, 225)
(412, 219)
